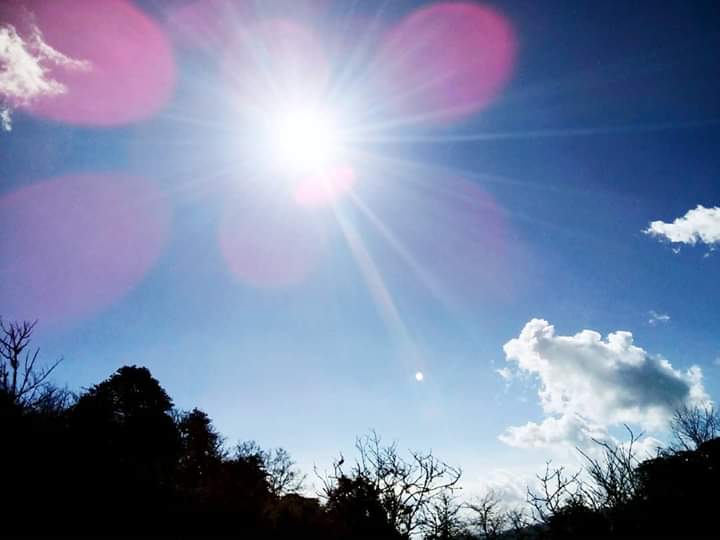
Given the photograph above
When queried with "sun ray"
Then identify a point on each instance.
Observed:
(428, 280)
(525, 134)
(379, 291)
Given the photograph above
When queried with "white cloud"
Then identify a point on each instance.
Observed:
(24, 69)
(5, 120)
(698, 225)
(589, 384)
(506, 373)
(645, 447)
(657, 318)
(508, 486)
(569, 429)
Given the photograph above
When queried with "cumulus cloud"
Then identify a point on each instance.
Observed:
(554, 431)
(507, 486)
(25, 63)
(657, 318)
(697, 225)
(589, 384)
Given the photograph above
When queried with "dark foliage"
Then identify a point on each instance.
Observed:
(120, 459)
(672, 494)
(354, 507)
(408, 490)
(126, 443)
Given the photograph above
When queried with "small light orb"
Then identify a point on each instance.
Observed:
(419, 376)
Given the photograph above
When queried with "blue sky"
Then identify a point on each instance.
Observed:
(609, 120)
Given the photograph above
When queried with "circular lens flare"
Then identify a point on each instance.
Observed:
(268, 241)
(325, 188)
(447, 61)
(73, 245)
(110, 62)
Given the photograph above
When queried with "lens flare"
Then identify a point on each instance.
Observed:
(449, 231)
(75, 244)
(325, 188)
(128, 70)
(447, 61)
(268, 242)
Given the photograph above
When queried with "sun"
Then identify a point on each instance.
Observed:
(305, 149)
(304, 139)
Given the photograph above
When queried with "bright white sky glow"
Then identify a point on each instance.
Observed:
(304, 139)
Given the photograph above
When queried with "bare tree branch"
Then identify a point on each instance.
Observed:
(282, 475)
(557, 489)
(614, 476)
(488, 517)
(20, 377)
(442, 519)
(692, 426)
(408, 487)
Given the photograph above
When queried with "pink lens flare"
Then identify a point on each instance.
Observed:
(73, 245)
(298, 10)
(276, 61)
(206, 24)
(325, 187)
(270, 242)
(447, 61)
(128, 69)
(212, 24)
(445, 230)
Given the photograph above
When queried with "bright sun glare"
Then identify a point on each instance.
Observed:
(304, 139)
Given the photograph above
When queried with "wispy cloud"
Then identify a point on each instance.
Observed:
(657, 318)
(506, 373)
(699, 225)
(25, 64)
(589, 384)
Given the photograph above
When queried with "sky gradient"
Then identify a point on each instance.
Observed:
(143, 222)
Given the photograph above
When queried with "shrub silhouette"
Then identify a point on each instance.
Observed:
(119, 458)
(355, 508)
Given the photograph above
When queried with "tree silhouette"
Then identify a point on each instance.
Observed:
(120, 454)
(22, 381)
(240, 488)
(356, 510)
(201, 456)
(33, 441)
(678, 491)
(406, 487)
(694, 425)
(614, 479)
(283, 477)
(296, 516)
(124, 428)
(443, 519)
(488, 517)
